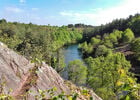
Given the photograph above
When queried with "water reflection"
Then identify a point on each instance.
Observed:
(70, 53)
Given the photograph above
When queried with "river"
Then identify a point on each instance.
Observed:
(70, 53)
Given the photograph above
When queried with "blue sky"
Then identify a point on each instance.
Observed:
(63, 12)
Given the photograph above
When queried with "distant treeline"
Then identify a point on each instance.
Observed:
(80, 25)
(38, 41)
(132, 22)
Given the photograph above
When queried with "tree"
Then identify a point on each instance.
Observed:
(3, 21)
(109, 75)
(77, 72)
(135, 47)
(102, 50)
(118, 34)
(95, 41)
(70, 25)
(107, 42)
(113, 39)
(57, 61)
(134, 23)
(128, 35)
(83, 47)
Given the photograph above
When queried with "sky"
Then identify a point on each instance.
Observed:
(63, 12)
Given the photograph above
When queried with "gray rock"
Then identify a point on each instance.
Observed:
(16, 75)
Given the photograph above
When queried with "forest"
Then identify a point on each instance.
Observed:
(38, 43)
(111, 53)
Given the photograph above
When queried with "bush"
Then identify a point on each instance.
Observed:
(128, 36)
(77, 72)
(102, 50)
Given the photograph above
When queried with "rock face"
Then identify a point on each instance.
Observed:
(20, 75)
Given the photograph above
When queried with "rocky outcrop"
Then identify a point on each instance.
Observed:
(125, 49)
(20, 75)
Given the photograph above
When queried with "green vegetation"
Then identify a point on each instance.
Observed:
(135, 47)
(101, 47)
(106, 50)
(109, 75)
(41, 42)
(128, 35)
(77, 72)
(42, 95)
(102, 50)
(62, 96)
(108, 70)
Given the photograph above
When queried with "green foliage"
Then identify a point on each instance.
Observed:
(113, 38)
(95, 41)
(6, 97)
(102, 50)
(111, 73)
(89, 49)
(107, 74)
(10, 42)
(132, 22)
(109, 41)
(83, 47)
(118, 34)
(128, 35)
(86, 48)
(42, 95)
(135, 47)
(52, 92)
(57, 61)
(41, 42)
(77, 72)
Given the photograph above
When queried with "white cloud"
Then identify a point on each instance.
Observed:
(22, 1)
(101, 16)
(13, 9)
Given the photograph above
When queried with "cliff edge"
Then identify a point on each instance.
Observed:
(18, 76)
